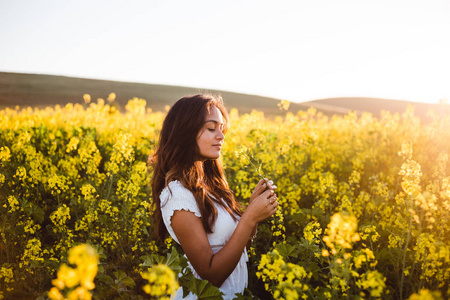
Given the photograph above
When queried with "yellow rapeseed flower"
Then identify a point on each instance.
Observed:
(67, 277)
(79, 280)
(111, 97)
(284, 104)
(161, 281)
(55, 294)
(342, 231)
(87, 98)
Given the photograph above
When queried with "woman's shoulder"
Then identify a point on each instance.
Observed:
(174, 186)
(177, 197)
(174, 190)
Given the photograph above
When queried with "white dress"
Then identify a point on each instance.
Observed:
(180, 198)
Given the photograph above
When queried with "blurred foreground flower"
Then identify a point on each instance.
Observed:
(111, 97)
(426, 294)
(284, 104)
(76, 283)
(87, 98)
(161, 282)
(342, 231)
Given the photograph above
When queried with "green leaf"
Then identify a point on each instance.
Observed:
(26, 206)
(119, 275)
(37, 214)
(123, 279)
(34, 264)
(153, 259)
(99, 249)
(128, 281)
(248, 295)
(105, 279)
(185, 281)
(172, 257)
(53, 265)
(173, 261)
(204, 290)
(148, 261)
(32, 210)
(286, 250)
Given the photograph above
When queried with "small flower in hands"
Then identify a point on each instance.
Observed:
(264, 183)
(244, 152)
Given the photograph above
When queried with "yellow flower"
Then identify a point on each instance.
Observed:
(161, 281)
(13, 204)
(87, 98)
(425, 294)
(7, 275)
(79, 293)
(342, 231)
(60, 216)
(55, 294)
(72, 145)
(86, 259)
(5, 154)
(374, 282)
(111, 97)
(68, 276)
(312, 232)
(282, 279)
(284, 104)
(81, 278)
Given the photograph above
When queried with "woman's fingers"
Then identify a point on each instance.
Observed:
(263, 202)
(273, 198)
(263, 206)
(260, 187)
(263, 183)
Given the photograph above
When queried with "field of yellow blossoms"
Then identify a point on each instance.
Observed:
(364, 205)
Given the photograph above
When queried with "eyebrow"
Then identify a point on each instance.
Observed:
(214, 121)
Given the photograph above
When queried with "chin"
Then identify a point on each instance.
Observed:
(211, 157)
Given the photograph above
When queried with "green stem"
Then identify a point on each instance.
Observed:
(408, 237)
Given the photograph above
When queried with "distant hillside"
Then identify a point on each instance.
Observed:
(375, 106)
(44, 90)
(48, 90)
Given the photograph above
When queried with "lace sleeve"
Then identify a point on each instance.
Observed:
(176, 197)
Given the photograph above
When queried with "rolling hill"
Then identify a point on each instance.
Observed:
(48, 90)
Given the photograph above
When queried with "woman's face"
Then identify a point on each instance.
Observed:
(210, 137)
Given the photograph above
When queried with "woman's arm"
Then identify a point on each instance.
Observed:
(193, 239)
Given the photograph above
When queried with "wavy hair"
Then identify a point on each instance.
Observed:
(177, 158)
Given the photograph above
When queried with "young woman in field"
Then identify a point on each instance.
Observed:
(193, 202)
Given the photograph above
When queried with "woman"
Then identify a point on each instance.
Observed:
(192, 200)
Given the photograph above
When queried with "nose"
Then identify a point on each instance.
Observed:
(220, 135)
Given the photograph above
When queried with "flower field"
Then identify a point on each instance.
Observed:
(364, 205)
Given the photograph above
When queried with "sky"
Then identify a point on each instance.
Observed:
(295, 50)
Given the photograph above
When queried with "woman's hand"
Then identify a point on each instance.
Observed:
(262, 207)
(261, 187)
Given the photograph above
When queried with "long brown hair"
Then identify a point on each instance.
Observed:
(177, 158)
